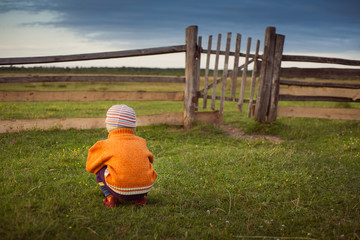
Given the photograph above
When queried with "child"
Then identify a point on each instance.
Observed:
(122, 163)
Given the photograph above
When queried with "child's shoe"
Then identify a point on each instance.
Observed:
(140, 202)
(111, 201)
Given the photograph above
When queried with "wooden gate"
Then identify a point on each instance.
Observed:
(268, 65)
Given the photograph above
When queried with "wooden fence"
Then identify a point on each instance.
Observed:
(265, 107)
(185, 118)
(327, 89)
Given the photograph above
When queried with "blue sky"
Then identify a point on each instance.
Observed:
(58, 27)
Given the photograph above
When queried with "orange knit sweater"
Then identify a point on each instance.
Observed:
(129, 162)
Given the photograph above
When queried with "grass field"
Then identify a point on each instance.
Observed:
(209, 186)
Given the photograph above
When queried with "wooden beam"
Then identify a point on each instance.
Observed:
(230, 53)
(225, 73)
(295, 58)
(244, 75)
(17, 125)
(93, 56)
(314, 98)
(327, 113)
(215, 72)
(235, 71)
(263, 95)
(253, 79)
(88, 96)
(326, 73)
(192, 56)
(353, 94)
(91, 78)
(275, 81)
(319, 84)
(206, 83)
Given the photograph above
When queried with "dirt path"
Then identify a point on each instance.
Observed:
(237, 133)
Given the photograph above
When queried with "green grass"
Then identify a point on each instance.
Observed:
(210, 186)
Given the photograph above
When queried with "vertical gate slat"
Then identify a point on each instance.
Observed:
(213, 97)
(225, 73)
(206, 84)
(236, 66)
(243, 83)
(263, 95)
(253, 78)
(197, 83)
(275, 82)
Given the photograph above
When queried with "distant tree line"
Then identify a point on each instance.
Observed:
(103, 70)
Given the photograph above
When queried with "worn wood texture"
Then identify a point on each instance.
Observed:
(253, 79)
(235, 71)
(296, 58)
(225, 73)
(319, 84)
(88, 96)
(192, 57)
(207, 69)
(325, 73)
(91, 78)
(275, 82)
(263, 96)
(353, 94)
(215, 72)
(244, 75)
(327, 113)
(197, 80)
(93, 56)
(17, 125)
(315, 98)
(230, 53)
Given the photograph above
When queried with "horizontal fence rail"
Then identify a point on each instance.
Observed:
(93, 56)
(92, 78)
(330, 73)
(295, 58)
(88, 96)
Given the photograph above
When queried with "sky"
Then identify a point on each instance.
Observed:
(329, 28)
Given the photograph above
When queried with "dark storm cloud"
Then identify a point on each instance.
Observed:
(307, 24)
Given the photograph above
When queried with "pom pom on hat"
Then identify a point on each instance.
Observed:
(120, 116)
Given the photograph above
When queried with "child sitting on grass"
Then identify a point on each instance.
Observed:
(122, 163)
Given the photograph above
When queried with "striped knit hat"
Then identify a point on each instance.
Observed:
(120, 116)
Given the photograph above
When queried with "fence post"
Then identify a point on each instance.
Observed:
(275, 82)
(263, 96)
(191, 71)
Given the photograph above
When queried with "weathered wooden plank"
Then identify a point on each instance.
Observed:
(253, 79)
(327, 113)
(244, 75)
(326, 73)
(17, 125)
(319, 84)
(263, 95)
(88, 96)
(228, 99)
(197, 80)
(93, 56)
(91, 78)
(225, 73)
(353, 94)
(275, 82)
(215, 72)
(206, 83)
(296, 58)
(314, 98)
(191, 72)
(235, 71)
(230, 53)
